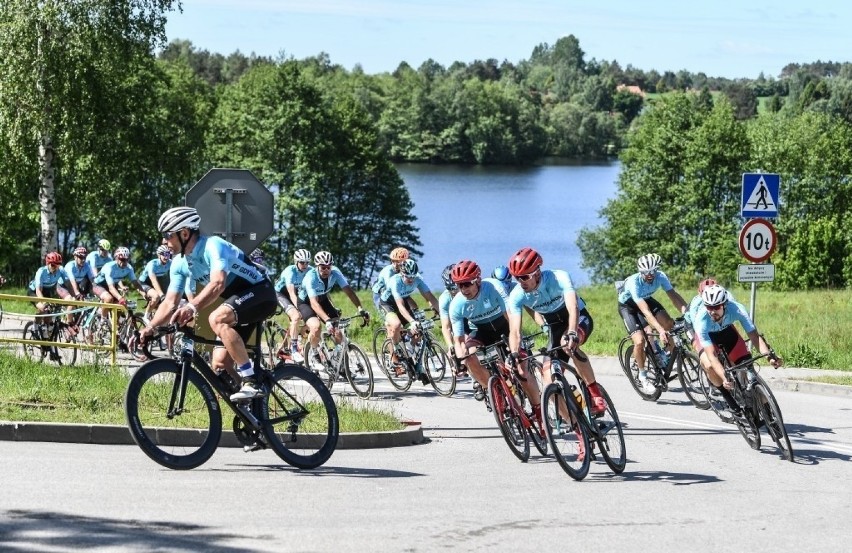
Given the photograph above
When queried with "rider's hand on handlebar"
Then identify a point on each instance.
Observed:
(512, 359)
(775, 361)
(414, 326)
(570, 340)
(664, 338)
(329, 327)
(122, 301)
(363, 313)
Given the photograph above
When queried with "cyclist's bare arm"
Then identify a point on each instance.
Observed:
(401, 304)
(350, 293)
(677, 300)
(433, 301)
(164, 311)
(573, 310)
(447, 332)
(291, 291)
(652, 320)
(758, 343)
(155, 284)
(315, 305)
(515, 321)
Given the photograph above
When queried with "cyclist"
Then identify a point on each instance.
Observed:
(714, 328)
(635, 304)
(154, 278)
(315, 305)
(551, 293)
(481, 304)
(81, 272)
(224, 271)
(396, 303)
(397, 258)
(100, 257)
(501, 275)
(110, 277)
(259, 259)
(287, 289)
(46, 283)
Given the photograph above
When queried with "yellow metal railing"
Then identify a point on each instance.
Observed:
(112, 347)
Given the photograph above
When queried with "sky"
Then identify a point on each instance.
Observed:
(722, 38)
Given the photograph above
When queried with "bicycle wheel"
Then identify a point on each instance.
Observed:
(298, 416)
(359, 373)
(771, 413)
(329, 374)
(379, 337)
(399, 376)
(176, 436)
(274, 338)
(437, 365)
(32, 331)
(714, 399)
(131, 325)
(632, 372)
(537, 432)
(745, 422)
(508, 420)
(65, 356)
(609, 434)
(569, 439)
(688, 374)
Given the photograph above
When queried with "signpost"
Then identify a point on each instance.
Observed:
(758, 240)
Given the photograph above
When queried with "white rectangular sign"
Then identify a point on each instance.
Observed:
(759, 272)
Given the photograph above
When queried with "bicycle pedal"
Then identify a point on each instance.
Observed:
(257, 446)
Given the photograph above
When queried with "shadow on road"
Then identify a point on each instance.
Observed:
(325, 470)
(675, 478)
(24, 530)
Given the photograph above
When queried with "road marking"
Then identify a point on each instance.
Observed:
(680, 422)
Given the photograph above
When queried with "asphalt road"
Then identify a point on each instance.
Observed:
(691, 483)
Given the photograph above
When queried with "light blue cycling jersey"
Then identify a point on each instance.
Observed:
(444, 304)
(696, 306)
(504, 287)
(154, 267)
(383, 279)
(111, 273)
(45, 279)
(399, 289)
(314, 286)
(636, 288)
(734, 311)
(291, 275)
(97, 261)
(79, 273)
(549, 297)
(212, 253)
(487, 306)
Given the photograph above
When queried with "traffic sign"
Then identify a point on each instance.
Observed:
(760, 272)
(757, 240)
(235, 205)
(760, 195)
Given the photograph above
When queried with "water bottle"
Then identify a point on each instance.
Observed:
(336, 353)
(662, 355)
(187, 347)
(409, 347)
(578, 397)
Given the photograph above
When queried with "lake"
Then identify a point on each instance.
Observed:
(488, 213)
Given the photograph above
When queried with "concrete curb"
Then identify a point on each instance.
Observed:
(818, 388)
(106, 434)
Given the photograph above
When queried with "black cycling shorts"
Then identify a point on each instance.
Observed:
(633, 318)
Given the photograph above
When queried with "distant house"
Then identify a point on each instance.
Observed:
(633, 89)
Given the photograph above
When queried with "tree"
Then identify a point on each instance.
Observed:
(63, 65)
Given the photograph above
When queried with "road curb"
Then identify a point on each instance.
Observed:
(808, 387)
(107, 434)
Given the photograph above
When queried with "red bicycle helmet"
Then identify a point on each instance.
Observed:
(465, 271)
(705, 283)
(53, 257)
(524, 262)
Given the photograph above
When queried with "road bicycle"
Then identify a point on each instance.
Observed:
(513, 410)
(354, 365)
(173, 412)
(50, 327)
(276, 340)
(418, 353)
(571, 427)
(95, 329)
(663, 367)
(757, 404)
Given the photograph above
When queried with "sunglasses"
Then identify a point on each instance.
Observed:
(647, 273)
(323, 266)
(714, 308)
(467, 284)
(524, 278)
(53, 264)
(168, 234)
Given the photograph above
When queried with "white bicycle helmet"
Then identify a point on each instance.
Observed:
(714, 295)
(177, 218)
(122, 253)
(323, 258)
(164, 250)
(649, 263)
(302, 255)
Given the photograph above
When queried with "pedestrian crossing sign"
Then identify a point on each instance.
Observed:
(760, 195)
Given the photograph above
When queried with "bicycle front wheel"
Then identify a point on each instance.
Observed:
(299, 417)
(129, 327)
(31, 352)
(65, 356)
(568, 437)
(396, 371)
(771, 413)
(179, 429)
(689, 375)
(359, 373)
(379, 337)
(610, 435)
(436, 363)
(632, 372)
(508, 420)
(537, 431)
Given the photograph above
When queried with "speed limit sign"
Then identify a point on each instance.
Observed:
(758, 240)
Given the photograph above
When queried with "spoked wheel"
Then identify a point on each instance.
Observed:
(632, 371)
(273, 340)
(771, 413)
(178, 434)
(128, 328)
(32, 331)
(610, 435)
(438, 368)
(298, 416)
(359, 372)
(715, 401)
(379, 337)
(508, 420)
(746, 423)
(62, 355)
(569, 439)
(399, 376)
(689, 374)
(537, 431)
(328, 374)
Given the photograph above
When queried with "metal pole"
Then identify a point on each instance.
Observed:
(753, 297)
(229, 205)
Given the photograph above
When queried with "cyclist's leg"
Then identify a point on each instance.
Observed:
(393, 324)
(633, 322)
(477, 371)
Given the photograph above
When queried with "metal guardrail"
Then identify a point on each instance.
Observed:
(112, 347)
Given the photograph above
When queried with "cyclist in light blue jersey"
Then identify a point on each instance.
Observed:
(154, 278)
(315, 305)
(100, 257)
(46, 283)
(482, 306)
(551, 293)
(224, 271)
(80, 271)
(287, 289)
(502, 278)
(714, 328)
(637, 309)
(396, 303)
(397, 257)
(107, 281)
(450, 291)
